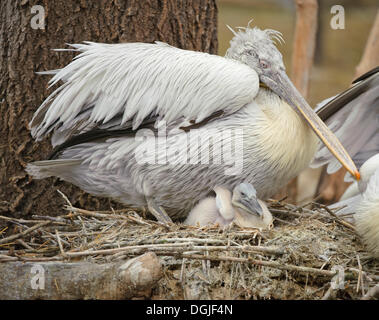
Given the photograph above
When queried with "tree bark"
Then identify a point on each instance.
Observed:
(80, 280)
(304, 43)
(189, 24)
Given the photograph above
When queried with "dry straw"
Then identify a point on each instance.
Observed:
(294, 260)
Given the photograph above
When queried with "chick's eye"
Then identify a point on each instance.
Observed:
(263, 63)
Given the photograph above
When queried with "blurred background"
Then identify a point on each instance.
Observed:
(338, 52)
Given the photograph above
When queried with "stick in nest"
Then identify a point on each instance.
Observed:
(25, 232)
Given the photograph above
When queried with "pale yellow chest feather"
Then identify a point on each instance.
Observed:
(284, 136)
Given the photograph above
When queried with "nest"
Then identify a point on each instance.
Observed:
(311, 253)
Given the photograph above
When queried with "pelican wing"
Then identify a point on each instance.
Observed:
(124, 85)
(353, 116)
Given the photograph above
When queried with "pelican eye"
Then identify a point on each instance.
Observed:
(244, 195)
(263, 64)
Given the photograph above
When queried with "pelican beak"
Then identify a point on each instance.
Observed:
(251, 206)
(282, 85)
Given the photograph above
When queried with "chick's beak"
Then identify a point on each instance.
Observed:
(251, 206)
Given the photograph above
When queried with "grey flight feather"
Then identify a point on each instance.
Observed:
(353, 116)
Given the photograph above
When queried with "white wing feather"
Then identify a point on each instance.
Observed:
(133, 81)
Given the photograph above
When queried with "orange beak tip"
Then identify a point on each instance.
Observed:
(357, 175)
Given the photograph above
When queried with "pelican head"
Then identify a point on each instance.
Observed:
(245, 198)
(250, 212)
(256, 48)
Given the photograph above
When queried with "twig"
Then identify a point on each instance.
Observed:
(92, 214)
(337, 219)
(19, 220)
(285, 222)
(270, 264)
(370, 277)
(60, 243)
(64, 197)
(37, 259)
(176, 247)
(130, 248)
(25, 245)
(4, 258)
(25, 232)
(57, 220)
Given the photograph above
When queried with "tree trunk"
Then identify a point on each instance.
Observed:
(189, 24)
(304, 44)
(80, 280)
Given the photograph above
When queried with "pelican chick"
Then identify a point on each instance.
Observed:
(242, 207)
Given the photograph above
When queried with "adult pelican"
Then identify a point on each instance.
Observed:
(112, 93)
(367, 210)
(364, 206)
(353, 116)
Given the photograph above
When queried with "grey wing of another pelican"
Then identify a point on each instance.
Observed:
(367, 189)
(353, 116)
(123, 86)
